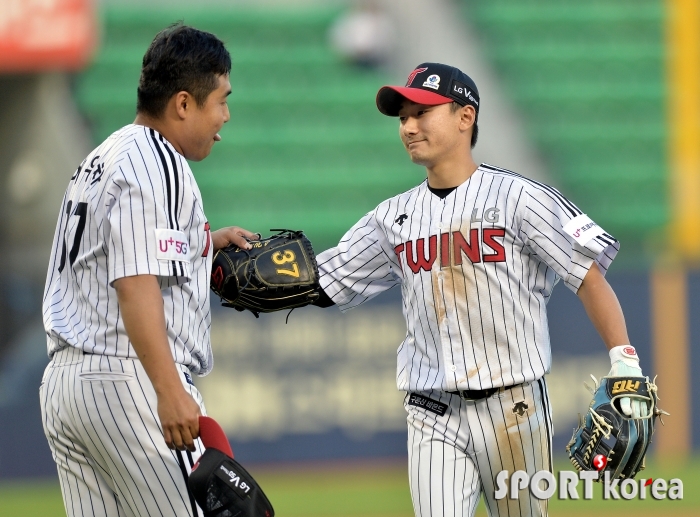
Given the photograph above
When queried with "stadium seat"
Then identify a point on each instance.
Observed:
(305, 148)
(588, 79)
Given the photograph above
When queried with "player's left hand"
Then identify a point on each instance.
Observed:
(625, 363)
(233, 235)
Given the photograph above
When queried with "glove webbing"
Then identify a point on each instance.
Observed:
(600, 427)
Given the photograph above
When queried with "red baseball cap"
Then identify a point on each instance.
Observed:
(431, 84)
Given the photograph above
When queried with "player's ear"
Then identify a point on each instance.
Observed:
(184, 102)
(467, 117)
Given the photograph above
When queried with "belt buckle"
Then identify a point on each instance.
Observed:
(487, 393)
(463, 395)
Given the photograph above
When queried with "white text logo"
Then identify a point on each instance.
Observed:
(544, 485)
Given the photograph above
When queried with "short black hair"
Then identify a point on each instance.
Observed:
(454, 106)
(180, 58)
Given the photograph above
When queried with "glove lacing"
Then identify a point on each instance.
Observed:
(240, 289)
(600, 426)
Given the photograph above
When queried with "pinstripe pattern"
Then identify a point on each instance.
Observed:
(454, 458)
(476, 315)
(142, 185)
(100, 417)
(99, 408)
(476, 267)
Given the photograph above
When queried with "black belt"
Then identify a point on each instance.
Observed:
(481, 394)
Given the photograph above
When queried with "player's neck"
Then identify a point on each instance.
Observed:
(452, 172)
(160, 125)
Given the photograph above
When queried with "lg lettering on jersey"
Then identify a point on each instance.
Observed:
(490, 215)
(480, 246)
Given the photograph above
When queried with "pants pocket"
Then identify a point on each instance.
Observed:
(105, 376)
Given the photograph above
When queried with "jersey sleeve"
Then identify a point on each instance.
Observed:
(563, 237)
(360, 267)
(142, 232)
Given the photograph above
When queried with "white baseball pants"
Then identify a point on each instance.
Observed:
(454, 458)
(100, 418)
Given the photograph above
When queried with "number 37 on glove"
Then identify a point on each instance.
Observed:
(278, 273)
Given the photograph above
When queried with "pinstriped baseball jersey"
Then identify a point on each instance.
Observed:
(476, 271)
(132, 208)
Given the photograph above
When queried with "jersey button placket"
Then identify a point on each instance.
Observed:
(443, 323)
(444, 327)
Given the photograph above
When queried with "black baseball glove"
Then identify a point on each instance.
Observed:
(609, 440)
(278, 273)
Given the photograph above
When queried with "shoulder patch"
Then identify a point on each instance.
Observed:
(582, 229)
(172, 245)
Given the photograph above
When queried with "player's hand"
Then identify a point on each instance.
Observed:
(631, 407)
(233, 235)
(179, 417)
(625, 363)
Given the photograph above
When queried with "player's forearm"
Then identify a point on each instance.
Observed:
(141, 308)
(603, 308)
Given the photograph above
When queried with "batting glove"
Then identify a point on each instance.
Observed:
(625, 363)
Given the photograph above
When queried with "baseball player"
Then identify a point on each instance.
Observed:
(126, 304)
(477, 250)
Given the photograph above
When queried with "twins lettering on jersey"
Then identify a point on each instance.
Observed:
(480, 246)
(513, 247)
(473, 246)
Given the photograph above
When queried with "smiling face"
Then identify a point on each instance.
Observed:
(432, 134)
(202, 123)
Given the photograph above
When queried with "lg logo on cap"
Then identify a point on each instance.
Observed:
(463, 91)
